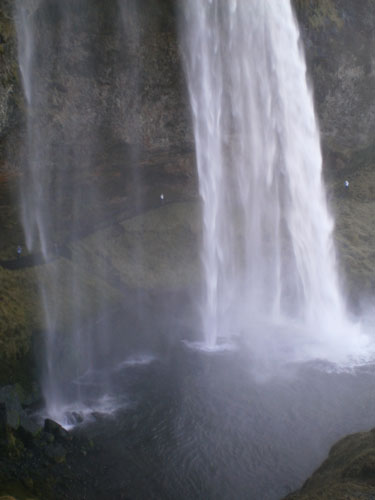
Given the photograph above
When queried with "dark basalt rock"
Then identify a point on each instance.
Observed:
(52, 427)
(41, 462)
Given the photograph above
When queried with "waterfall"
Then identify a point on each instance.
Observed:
(267, 251)
(62, 202)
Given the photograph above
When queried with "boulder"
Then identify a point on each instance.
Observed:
(348, 472)
(56, 430)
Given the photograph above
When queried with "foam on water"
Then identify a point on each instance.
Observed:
(78, 413)
(210, 349)
(139, 360)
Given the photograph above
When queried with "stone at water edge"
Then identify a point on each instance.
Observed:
(347, 473)
(57, 430)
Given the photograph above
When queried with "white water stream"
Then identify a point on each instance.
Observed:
(268, 254)
(61, 199)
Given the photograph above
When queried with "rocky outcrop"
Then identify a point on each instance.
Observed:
(36, 459)
(348, 472)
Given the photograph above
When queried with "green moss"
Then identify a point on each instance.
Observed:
(346, 474)
(74, 290)
(154, 250)
(18, 311)
(19, 317)
(354, 215)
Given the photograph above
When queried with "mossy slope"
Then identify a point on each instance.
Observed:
(347, 474)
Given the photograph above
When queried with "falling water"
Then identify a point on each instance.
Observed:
(267, 251)
(61, 197)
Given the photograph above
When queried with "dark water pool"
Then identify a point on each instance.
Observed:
(202, 425)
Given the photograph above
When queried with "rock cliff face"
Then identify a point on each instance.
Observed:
(9, 91)
(111, 97)
(137, 106)
(120, 79)
(141, 65)
(339, 43)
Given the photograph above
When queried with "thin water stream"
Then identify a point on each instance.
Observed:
(63, 195)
